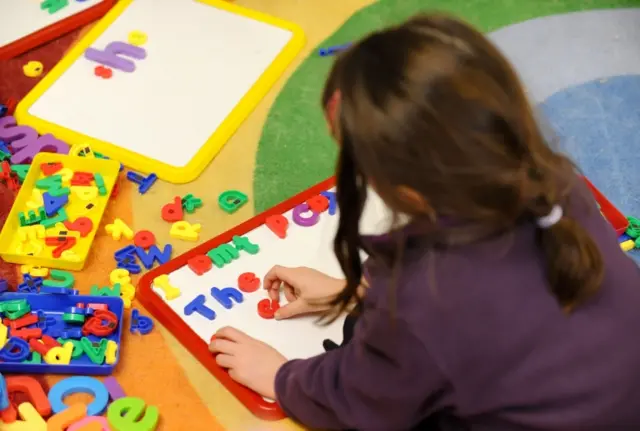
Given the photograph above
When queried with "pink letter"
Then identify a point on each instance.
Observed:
(90, 420)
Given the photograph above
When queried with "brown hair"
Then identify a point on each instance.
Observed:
(432, 106)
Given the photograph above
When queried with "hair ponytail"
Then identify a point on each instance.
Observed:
(351, 195)
(574, 264)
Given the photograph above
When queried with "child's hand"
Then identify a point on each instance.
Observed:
(306, 290)
(250, 362)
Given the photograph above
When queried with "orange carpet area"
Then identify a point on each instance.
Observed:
(147, 369)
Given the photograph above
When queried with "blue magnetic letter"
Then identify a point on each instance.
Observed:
(225, 295)
(332, 201)
(197, 306)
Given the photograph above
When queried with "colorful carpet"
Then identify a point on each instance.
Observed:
(582, 69)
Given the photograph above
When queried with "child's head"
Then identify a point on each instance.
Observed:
(433, 117)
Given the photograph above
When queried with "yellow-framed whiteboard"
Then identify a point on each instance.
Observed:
(161, 85)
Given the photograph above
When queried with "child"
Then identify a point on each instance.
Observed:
(505, 303)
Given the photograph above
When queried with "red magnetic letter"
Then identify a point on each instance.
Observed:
(81, 179)
(278, 225)
(318, 204)
(84, 225)
(267, 308)
(173, 211)
(200, 264)
(61, 243)
(144, 239)
(248, 282)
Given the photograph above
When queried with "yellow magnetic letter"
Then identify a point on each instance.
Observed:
(36, 200)
(120, 276)
(127, 293)
(59, 355)
(65, 175)
(119, 228)
(34, 271)
(31, 420)
(183, 230)
(86, 193)
(162, 282)
(3, 335)
(110, 353)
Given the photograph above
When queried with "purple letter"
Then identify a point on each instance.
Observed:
(9, 132)
(25, 152)
(111, 56)
(296, 215)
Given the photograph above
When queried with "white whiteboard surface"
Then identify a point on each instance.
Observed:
(299, 337)
(20, 18)
(200, 62)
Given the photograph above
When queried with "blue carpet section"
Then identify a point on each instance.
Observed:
(598, 125)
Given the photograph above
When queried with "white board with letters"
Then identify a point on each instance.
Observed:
(155, 76)
(303, 246)
(298, 337)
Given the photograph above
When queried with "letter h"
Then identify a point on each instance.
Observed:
(112, 56)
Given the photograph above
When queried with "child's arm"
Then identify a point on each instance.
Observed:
(384, 378)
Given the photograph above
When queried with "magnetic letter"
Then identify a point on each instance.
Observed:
(162, 282)
(243, 243)
(154, 254)
(225, 296)
(197, 306)
(113, 54)
(278, 225)
(304, 221)
(75, 384)
(332, 201)
(200, 264)
(223, 254)
(231, 200)
(248, 282)
(118, 229)
(318, 203)
(128, 413)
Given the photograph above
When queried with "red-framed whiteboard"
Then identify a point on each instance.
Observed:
(27, 25)
(186, 335)
(610, 212)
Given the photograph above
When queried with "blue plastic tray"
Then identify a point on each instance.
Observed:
(53, 307)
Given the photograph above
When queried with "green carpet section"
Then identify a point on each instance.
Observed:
(295, 150)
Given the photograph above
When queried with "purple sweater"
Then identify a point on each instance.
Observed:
(478, 335)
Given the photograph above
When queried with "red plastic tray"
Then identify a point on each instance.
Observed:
(611, 213)
(55, 30)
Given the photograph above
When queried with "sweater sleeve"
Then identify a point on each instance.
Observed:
(382, 379)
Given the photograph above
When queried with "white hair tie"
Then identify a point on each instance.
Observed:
(550, 219)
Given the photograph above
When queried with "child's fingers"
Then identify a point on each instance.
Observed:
(289, 293)
(223, 346)
(233, 334)
(277, 275)
(225, 361)
(272, 279)
(274, 293)
(293, 308)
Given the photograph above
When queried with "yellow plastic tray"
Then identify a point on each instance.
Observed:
(14, 250)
